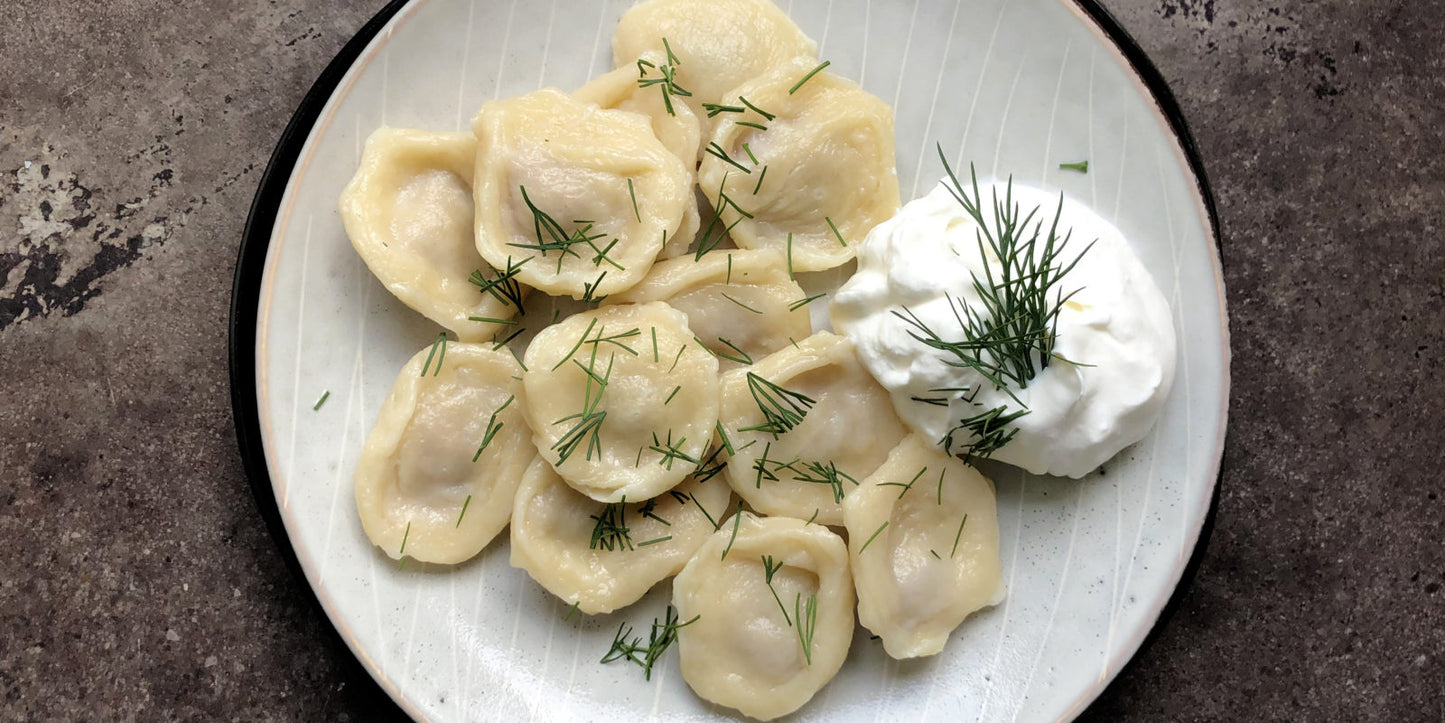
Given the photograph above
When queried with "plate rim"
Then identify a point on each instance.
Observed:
(258, 232)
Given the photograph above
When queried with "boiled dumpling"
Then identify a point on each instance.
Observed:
(923, 541)
(577, 198)
(719, 44)
(408, 212)
(436, 477)
(817, 180)
(620, 399)
(673, 122)
(604, 557)
(740, 304)
(828, 427)
(773, 602)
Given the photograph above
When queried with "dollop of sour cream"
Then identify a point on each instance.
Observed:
(1117, 327)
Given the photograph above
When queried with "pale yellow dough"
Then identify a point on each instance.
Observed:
(419, 491)
(408, 213)
(829, 158)
(641, 410)
(575, 161)
(929, 567)
(719, 44)
(742, 652)
(552, 538)
(734, 300)
(850, 426)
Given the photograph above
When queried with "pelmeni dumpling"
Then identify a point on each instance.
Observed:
(740, 304)
(437, 475)
(923, 541)
(604, 557)
(408, 212)
(719, 44)
(674, 123)
(807, 453)
(817, 180)
(620, 399)
(577, 198)
(763, 648)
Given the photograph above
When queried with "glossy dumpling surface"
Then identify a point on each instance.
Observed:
(620, 398)
(923, 543)
(744, 650)
(423, 490)
(830, 172)
(604, 557)
(719, 44)
(554, 190)
(740, 304)
(673, 123)
(846, 430)
(408, 212)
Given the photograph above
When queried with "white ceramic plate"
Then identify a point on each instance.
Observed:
(1014, 86)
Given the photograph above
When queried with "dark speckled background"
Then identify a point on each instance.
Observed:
(137, 580)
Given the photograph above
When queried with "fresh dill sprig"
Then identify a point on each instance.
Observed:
(465, 503)
(800, 303)
(717, 151)
(667, 79)
(589, 291)
(610, 531)
(724, 435)
(401, 553)
(756, 109)
(324, 396)
(654, 345)
(739, 356)
(633, 193)
(654, 541)
(709, 241)
(770, 568)
(671, 451)
(737, 520)
(836, 233)
(493, 426)
(761, 176)
(905, 487)
(715, 108)
(1010, 337)
(556, 238)
(576, 606)
(958, 536)
(441, 343)
(807, 617)
(662, 636)
(824, 474)
(782, 408)
(616, 339)
(791, 277)
(986, 432)
(675, 390)
(751, 124)
(504, 287)
(1081, 166)
(710, 466)
(739, 303)
(872, 537)
(809, 76)
(589, 420)
(649, 510)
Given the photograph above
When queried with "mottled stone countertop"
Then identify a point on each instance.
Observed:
(137, 580)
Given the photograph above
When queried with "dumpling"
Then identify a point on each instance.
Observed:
(578, 199)
(828, 426)
(604, 557)
(740, 304)
(620, 400)
(408, 212)
(673, 122)
(436, 477)
(719, 44)
(923, 541)
(773, 602)
(817, 180)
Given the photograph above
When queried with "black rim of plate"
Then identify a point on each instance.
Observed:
(256, 239)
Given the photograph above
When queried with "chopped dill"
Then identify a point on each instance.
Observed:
(872, 537)
(441, 343)
(808, 77)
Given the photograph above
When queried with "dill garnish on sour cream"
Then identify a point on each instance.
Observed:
(1056, 373)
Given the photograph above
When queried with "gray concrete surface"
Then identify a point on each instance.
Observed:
(138, 582)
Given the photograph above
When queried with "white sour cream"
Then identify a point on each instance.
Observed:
(1118, 323)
